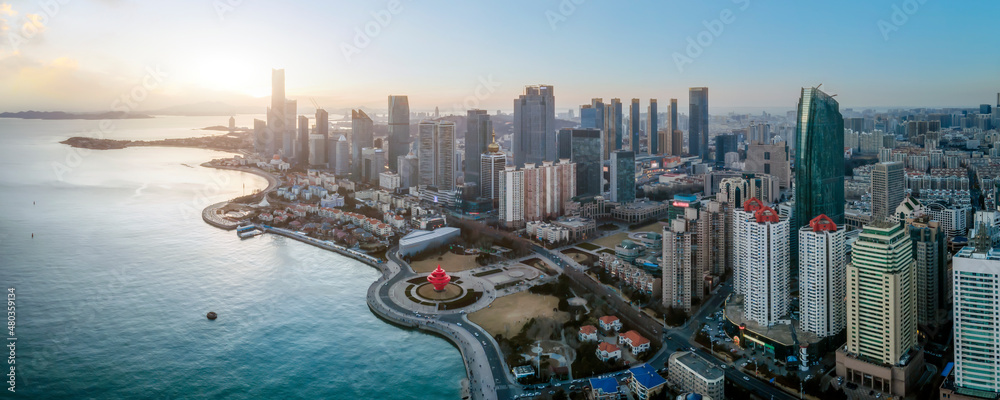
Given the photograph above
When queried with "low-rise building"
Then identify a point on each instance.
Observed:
(546, 232)
(645, 382)
(604, 388)
(692, 373)
(608, 351)
(610, 323)
(523, 371)
(635, 342)
(588, 333)
(579, 228)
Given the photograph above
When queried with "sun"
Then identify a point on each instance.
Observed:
(232, 75)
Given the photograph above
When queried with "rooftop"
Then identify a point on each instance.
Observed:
(604, 385)
(646, 376)
(697, 364)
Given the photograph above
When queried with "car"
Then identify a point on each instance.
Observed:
(743, 365)
(459, 323)
(878, 395)
(476, 333)
(746, 378)
(691, 348)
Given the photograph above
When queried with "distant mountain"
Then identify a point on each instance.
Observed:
(208, 108)
(66, 115)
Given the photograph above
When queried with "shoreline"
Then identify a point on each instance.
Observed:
(208, 213)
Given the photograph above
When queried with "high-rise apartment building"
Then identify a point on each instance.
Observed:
(976, 310)
(761, 262)
(888, 188)
(822, 277)
(678, 263)
(534, 139)
(698, 122)
(511, 209)
(623, 176)
(399, 129)
(930, 257)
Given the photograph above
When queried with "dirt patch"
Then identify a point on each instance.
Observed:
(508, 314)
(654, 227)
(450, 262)
(611, 241)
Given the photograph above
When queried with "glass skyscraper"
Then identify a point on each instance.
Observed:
(698, 122)
(819, 158)
(652, 128)
(399, 129)
(585, 151)
(622, 176)
(478, 135)
(634, 123)
(534, 126)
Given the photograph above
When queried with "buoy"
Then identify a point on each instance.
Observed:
(212, 315)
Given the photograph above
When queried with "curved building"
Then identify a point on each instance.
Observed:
(819, 158)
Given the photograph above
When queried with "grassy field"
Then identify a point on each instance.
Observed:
(611, 241)
(449, 262)
(654, 227)
(508, 314)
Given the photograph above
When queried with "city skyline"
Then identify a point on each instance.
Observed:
(48, 64)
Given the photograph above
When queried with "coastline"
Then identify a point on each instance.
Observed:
(208, 214)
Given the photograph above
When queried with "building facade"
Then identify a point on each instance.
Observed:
(534, 139)
(819, 160)
(399, 129)
(623, 176)
(762, 262)
(822, 277)
(698, 122)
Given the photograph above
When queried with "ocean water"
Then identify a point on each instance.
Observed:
(113, 288)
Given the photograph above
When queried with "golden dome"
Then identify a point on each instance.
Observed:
(493, 148)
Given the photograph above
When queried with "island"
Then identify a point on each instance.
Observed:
(67, 115)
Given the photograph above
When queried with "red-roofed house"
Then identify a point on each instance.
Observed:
(588, 333)
(610, 322)
(607, 351)
(634, 340)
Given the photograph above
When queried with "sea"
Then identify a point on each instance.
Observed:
(113, 272)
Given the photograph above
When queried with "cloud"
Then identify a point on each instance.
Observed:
(7, 9)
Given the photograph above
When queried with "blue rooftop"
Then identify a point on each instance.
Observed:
(647, 376)
(947, 369)
(686, 197)
(605, 385)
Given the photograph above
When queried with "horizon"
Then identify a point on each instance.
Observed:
(355, 55)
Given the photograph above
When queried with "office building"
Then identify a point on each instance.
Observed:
(930, 257)
(689, 372)
(761, 262)
(478, 135)
(881, 348)
(373, 163)
(771, 159)
(302, 141)
(342, 160)
(888, 188)
(819, 158)
(362, 136)
(612, 127)
(677, 143)
(534, 139)
(409, 170)
(724, 144)
(585, 152)
(564, 142)
(622, 176)
(634, 126)
(976, 310)
(698, 122)
(436, 150)
(276, 113)
(288, 136)
(653, 129)
(399, 130)
(822, 277)
(492, 163)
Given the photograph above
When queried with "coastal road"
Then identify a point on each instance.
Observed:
(487, 371)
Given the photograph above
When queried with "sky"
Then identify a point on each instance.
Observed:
(85, 55)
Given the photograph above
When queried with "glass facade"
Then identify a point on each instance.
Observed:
(819, 158)
(623, 176)
(698, 122)
(586, 153)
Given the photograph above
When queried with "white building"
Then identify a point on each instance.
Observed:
(692, 373)
(976, 280)
(762, 262)
(389, 180)
(492, 164)
(608, 351)
(588, 333)
(511, 212)
(610, 322)
(822, 277)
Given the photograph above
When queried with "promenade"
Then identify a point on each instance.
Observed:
(211, 213)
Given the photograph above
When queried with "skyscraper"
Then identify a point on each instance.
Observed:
(822, 277)
(623, 176)
(446, 155)
(653, 129)
(373, 163)
(534, 122)
(260, 137)
(427, 153)
(819, 158)
(677, 142)
(302, 141)
(547, 188)
(888, 189)
(342, 161)
(564, 142)
(399, 129)
(976, 310)
(698, 122)
(492, 164)
(612, 127)
(761, 262)
(592, 115)
(362, 132)
(771, 159)
(672, 124)
(288, 136)
(585, 152)
(319, 138)
(479, 129)
(409, 168)
(881, 309)
(276, 113)
(724, 144)
(634, 126)
(678, 264)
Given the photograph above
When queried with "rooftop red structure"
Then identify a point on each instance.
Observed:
(439, 278)
(766, 214)
(753, 204)
(822, 223)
